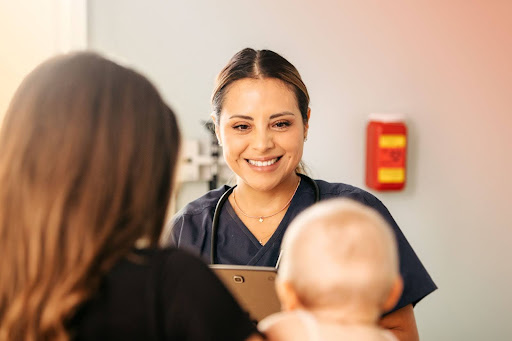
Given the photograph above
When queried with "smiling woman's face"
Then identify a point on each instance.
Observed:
(262, 132)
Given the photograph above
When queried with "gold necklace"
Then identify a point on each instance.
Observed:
(267, 236)
(260, 218)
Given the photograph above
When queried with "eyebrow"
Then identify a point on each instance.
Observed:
(284, 113)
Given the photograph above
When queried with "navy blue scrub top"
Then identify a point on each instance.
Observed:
(191, 230)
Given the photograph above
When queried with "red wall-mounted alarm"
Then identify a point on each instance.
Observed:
(386, 151)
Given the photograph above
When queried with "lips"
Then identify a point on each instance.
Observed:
(265, 163)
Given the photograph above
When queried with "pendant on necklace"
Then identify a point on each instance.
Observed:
(261, 219)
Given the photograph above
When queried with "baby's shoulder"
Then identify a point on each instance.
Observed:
(288, 326)
(355, 332)
(283, 326)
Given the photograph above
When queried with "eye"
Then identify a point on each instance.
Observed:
(241, 127)
(282, 124)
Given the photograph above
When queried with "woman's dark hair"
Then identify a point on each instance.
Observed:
(250, 63)
(88, 150)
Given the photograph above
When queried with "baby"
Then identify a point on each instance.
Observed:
(338, 274)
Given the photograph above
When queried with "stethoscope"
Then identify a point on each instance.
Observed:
(222, 201)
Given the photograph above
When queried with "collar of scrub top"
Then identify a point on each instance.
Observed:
(222, 201)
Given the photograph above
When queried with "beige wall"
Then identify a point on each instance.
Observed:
(33, 30)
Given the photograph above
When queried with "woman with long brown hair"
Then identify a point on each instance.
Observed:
(87, 159)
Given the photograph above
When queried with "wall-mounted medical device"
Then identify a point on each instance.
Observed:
(386, 151)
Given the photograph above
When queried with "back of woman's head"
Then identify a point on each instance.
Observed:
(87, 158)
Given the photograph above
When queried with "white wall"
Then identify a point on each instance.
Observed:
(447, 64)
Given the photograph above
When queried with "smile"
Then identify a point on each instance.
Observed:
(263, 163)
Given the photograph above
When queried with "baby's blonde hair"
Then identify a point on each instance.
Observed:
(339, 252)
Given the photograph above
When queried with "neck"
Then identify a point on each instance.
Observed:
(347, 315)
(266, 201)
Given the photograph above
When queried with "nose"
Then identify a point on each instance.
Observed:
(263, 140)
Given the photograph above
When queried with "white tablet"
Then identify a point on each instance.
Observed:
(252, 286)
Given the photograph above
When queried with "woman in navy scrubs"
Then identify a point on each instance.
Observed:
(261, 114)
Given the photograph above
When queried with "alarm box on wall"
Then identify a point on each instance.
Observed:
(386, 151)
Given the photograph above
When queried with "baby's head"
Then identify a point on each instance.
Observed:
(339, 253)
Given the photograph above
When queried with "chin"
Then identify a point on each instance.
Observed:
(264, 182)
(261, 186)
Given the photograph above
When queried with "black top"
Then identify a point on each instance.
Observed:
(161, 295)
(237, 245)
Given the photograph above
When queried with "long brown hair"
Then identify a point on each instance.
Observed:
(87, 157)
(257, 64)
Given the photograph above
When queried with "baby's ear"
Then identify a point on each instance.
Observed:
(287, 295)
(394, 294)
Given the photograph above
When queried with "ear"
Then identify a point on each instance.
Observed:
(287, 296)
(217, 131)
(306, 125)
(394, 295)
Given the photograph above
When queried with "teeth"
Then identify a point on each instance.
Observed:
(263, 163)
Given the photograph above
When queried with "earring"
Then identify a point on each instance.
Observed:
(305, 138)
